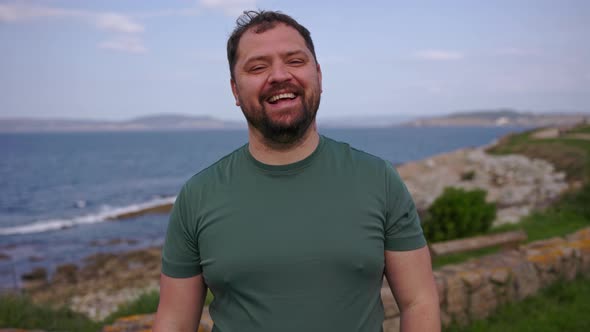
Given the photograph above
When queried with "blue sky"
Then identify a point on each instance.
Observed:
(117, 59)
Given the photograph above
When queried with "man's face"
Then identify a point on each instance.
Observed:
(277, 83)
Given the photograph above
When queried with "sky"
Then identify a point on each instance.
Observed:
(119, 59)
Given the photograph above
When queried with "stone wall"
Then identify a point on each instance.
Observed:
(474, 289)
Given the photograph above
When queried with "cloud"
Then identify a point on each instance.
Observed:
(117, 23)
(15, 12)
(229, 7)
(438, 55)
(129, 44)
(127, 30)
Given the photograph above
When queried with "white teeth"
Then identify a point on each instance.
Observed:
(281, 96)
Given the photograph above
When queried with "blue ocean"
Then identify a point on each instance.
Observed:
(61, 192)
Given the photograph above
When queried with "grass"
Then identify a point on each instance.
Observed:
(568, 155)
(563, 306)
(18, 311)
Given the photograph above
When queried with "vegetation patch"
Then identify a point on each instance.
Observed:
(458, 213)
(20, 312)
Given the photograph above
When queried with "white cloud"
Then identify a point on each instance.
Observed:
(230, 7)
(438, 55)
(125, 43)
(15, 12)
(117, 23)
(126, 29)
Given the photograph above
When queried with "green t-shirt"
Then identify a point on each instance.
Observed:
(296, 247)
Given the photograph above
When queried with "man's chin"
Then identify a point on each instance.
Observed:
(285, 132)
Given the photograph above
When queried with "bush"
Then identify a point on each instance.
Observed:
(458, 213)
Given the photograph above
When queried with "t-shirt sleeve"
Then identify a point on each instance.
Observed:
(180, 254)
(403, 231)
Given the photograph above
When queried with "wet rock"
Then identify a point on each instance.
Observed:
(67, 273)
(35, 279)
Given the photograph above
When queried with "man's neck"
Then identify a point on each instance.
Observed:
(282, 155)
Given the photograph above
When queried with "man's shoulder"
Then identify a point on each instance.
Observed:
(217, 172)
(357, 156)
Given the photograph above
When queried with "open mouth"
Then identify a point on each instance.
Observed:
(282, 96)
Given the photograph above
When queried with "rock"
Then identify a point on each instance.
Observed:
(482, 302)
(526, 281)
(4, 257)
(35, 279)
(389, 304)
(500, 276)
(456, 300)
(511, 181)
(472, 279)
(141, 323)
(391, 325)
(67, 273)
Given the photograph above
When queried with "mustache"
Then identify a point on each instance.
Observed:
(283, 86)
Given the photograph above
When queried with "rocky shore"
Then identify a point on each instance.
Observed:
(517, 184)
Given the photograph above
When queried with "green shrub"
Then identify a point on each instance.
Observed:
(458, 213)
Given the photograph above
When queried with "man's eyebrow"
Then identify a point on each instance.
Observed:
(296, 52)
(266, 57)
(256, 58)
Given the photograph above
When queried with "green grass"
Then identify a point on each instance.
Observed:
(441, 261)
(583, 129)
(563, 306)
(20, 312)
(571, 213)
(569, 155)
(146, 304)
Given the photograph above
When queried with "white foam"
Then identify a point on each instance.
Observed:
(105, 214)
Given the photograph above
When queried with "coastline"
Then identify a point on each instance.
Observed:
(105, 280)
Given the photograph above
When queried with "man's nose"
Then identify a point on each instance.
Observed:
(279, 73)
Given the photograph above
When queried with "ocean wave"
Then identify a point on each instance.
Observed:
(157, 205)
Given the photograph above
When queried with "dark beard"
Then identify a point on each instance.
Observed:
(281, 135)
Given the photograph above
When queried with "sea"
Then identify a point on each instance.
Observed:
(61, 193)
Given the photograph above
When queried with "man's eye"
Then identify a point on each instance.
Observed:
(257, 68)
(296, 62)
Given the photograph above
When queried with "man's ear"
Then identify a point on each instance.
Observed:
(319, 76)
(234, 91)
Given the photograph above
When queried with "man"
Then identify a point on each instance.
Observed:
(293, 231)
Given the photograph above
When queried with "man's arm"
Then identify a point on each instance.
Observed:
(181, 304)
(409, 274)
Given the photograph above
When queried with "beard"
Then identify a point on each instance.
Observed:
(278, 133)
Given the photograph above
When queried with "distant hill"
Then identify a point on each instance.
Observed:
(502, 117)
(146, 123)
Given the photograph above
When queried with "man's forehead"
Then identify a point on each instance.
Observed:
(253, 41)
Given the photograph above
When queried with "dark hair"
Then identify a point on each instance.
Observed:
(262, 21)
